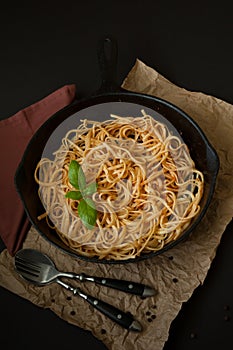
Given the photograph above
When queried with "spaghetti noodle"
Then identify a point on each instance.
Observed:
(148, 187)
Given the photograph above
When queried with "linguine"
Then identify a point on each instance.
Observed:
(148, 187)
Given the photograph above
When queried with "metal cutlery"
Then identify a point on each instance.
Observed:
(27, 266)
(45, 271)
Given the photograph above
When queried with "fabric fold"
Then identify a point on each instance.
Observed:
(15, 133)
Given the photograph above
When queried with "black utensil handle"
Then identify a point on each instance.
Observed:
(123, 319)
(107, 56)
(125, 286)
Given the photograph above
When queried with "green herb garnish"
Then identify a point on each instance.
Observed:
(86, 207)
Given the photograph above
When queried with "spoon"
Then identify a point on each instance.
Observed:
(48, 272)
(26, 264)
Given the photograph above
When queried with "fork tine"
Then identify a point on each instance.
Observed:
(25, 268)
(26, 262)
(27, 274)
(33, 266)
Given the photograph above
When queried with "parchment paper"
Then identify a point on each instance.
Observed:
(176, 273)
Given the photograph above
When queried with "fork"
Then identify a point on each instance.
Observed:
(32, 273)
(41, 268)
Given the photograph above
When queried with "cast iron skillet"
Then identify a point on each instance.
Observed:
(100, 104)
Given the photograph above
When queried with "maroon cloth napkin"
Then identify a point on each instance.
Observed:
(15, 133)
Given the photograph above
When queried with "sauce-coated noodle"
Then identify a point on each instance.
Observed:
(148, 187)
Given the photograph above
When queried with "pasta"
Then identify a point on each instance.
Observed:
(148, 187)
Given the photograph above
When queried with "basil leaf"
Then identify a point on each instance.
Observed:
(76, 175)
(90, 189)
(87, 212)
(81, 179)
(73, 173)
(76, 195)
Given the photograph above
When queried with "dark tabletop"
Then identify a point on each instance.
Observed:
(46, 45)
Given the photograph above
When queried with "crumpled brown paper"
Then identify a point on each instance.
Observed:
(176, 273)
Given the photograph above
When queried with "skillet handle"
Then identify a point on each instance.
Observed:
(107, 57)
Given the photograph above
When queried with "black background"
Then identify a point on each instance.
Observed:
(45, 45)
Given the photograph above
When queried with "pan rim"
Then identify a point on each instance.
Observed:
(119, 96)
